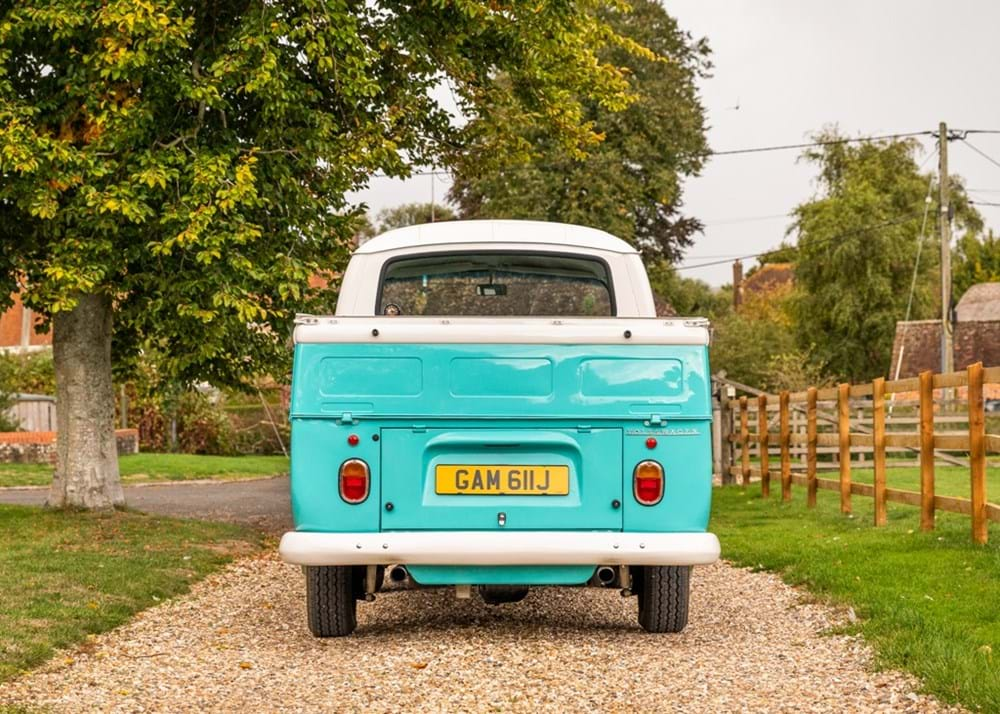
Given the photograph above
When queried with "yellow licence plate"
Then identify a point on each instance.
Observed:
(520, 480)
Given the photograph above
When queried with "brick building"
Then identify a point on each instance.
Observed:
(976, 336)
(19, 329)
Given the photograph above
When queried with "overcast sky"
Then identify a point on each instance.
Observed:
(791, 67)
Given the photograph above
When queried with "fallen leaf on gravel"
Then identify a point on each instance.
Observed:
(419, 665)
(245, 665)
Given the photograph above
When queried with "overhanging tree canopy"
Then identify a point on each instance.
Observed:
(857, 247)
(172, 173)
(630, 183)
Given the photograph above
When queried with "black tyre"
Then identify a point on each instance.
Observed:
(663, 597)
(330, 600)
(499, 594)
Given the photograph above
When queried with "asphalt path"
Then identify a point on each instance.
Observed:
(260, 503)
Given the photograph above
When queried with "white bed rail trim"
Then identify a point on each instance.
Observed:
(431, 330)
(499, 548)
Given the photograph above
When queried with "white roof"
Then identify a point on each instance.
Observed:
(484, 231)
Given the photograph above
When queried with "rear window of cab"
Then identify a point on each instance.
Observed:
(498, 284)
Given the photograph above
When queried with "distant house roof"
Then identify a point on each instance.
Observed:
(976, 336)
(768, 278)
(920, 341)
(981, 303)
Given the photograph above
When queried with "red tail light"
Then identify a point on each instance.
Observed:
(647, 483)
(355, 481)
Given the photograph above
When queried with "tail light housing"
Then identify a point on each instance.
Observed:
(647, 483)
(355, 481)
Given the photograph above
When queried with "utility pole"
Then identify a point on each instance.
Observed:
(944, 224)
(737, 284)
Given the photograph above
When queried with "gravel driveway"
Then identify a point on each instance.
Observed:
(239, 642)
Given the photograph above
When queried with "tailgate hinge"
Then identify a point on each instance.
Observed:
(419, 428)
(583, 428)
(348, 418)
(655, 420)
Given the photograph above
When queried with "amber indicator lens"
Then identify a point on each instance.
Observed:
(355, 481)
(647, 483)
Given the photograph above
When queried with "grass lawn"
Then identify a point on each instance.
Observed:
(948, 480)
(66, 575)
(928, 602)
(141, 468)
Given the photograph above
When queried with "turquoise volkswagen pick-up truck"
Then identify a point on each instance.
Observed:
(495, 406)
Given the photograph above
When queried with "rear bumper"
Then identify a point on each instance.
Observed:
(499, 548)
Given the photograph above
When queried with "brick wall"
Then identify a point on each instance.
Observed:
(12, 324)
(977, 342)
(39, 447)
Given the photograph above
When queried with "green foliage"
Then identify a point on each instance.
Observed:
(784, 253)
(919, 596)
(7, 422)
(688, 296)
(630, 183)
(192, 161)
(412, 214)
(974, 260)
(757, 346)
(66, 575)
(858, 245)
(23, 374)
(31, 373)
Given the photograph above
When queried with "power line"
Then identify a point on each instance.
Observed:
(981, 153)
(745, 219)
(736, 152)
(846, 234)
(814, 144)
(984, 203)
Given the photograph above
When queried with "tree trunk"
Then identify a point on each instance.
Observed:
(87, 468)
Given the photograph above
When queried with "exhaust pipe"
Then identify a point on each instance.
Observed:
(606, 575)
(399, 574)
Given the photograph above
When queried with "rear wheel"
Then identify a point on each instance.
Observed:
(330, 600)
(499, 594)
(663, 597)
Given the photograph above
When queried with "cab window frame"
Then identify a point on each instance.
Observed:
(383, 272)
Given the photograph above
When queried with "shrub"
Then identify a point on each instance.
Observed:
(32, 373)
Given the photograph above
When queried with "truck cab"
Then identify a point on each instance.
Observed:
(496, 406)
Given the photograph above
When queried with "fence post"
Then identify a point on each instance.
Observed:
(844, 432)
(878, 434)
(744, 440)
(927, 451)
(977, 453)
(725, 435)
(786, 456)
(811, 447)
(765, 474)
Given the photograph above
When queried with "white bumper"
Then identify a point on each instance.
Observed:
(499, 548)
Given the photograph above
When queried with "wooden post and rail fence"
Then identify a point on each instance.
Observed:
(861, 429)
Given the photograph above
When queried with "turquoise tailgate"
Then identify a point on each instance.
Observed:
(588, 410)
